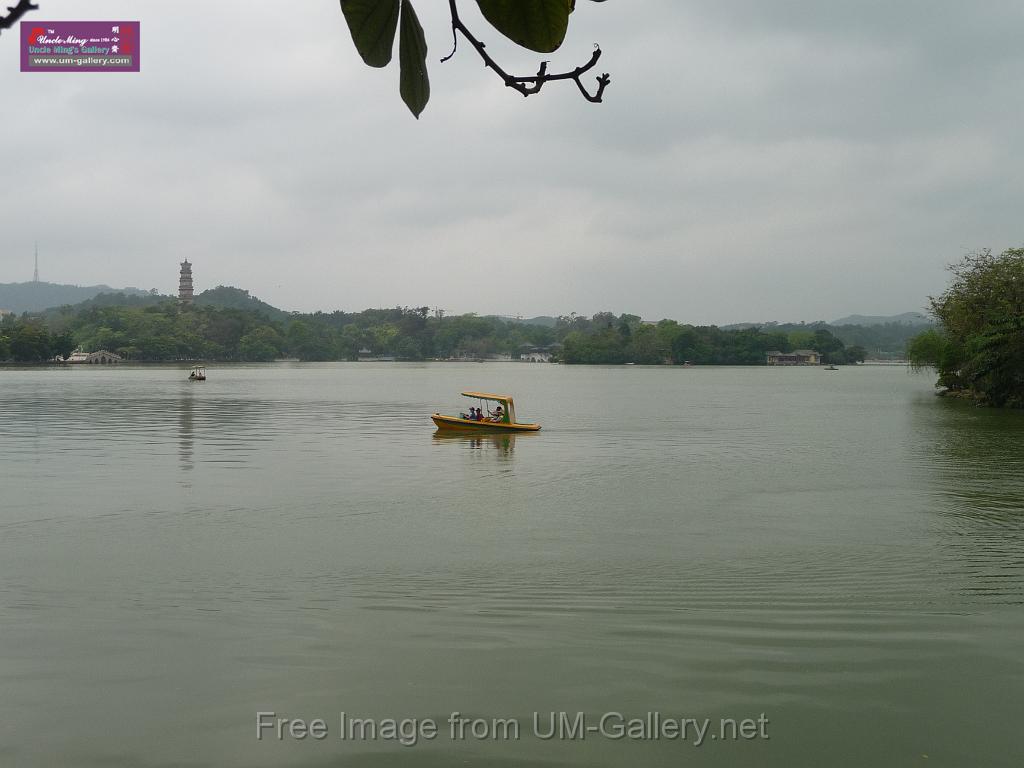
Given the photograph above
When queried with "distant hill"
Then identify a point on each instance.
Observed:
(907, 318)
(35, 297)
(119, 299)
(543, 320)
(747, 326)
(221, 297)
(885, 337)
(228, 297)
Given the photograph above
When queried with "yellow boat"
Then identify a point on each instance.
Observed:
(502, 421)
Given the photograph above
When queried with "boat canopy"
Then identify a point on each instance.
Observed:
(487, 396)
(509, 416)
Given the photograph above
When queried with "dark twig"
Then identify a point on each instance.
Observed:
(455, 44)
(16, 12)
(532, 84)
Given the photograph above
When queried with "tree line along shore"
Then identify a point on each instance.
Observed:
(227, 324)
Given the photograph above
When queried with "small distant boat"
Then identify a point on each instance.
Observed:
(198, 374)
(831, 368)
(502, 419)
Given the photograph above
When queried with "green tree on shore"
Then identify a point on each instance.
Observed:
(31, 342)
(978, 349)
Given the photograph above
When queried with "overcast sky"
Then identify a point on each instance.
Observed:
(753, 159)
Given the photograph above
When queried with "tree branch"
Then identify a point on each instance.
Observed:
(455, 44)
(529, 85)
(16, 12)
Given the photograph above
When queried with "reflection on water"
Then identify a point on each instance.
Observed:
(503, 443)
(978, 455)
(843, 553)
(973, 459)
(185, 426)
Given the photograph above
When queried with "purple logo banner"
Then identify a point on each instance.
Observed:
(79, 46)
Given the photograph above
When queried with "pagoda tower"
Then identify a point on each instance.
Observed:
(185, 283)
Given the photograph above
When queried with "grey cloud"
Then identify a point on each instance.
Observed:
(753, 160)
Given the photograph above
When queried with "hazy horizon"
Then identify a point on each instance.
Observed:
(750, 161)
(550, 313)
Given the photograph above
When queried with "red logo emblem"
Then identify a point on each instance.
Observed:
(126, 40)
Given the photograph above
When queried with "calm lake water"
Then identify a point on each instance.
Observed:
(840, 552)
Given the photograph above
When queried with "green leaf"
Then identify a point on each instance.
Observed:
(412, 59)
(372, 24)
(539, 25)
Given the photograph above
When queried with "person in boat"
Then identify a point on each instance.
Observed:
(472, 414)
(479, 414)
(498, 415)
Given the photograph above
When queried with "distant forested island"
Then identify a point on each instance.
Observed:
(228, 324)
